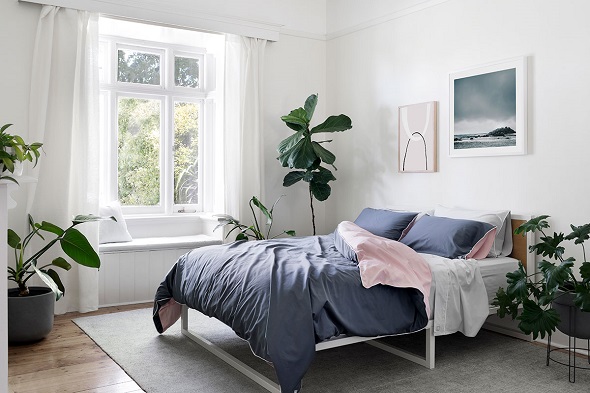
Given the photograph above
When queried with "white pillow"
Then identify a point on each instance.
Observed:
(498, 218)
(109, 230)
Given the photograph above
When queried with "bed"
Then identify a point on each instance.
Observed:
(292, 297)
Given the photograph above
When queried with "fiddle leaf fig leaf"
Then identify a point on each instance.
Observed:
(324, 154)
(580, 234)
(555, 275)
(323, 175)
(537, 320)
(533, 225)
(321, 191)
(300, 156)
(289, 142)
(333, 124)
(310, 105)
(296, 120)
(292, 178)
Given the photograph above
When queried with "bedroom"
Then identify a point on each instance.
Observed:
(367, 61)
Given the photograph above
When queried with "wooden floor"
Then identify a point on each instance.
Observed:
(68, 361)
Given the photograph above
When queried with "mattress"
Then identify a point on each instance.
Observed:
(493, 272)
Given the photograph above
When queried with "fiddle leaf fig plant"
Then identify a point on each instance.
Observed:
(536, 292)
(73, 243)
(254, 231)
(299, 151)
(13, 149)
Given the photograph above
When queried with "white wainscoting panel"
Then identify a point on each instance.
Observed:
(134, 276)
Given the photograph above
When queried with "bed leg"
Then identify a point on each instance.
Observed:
(249, 372)
(426, 361)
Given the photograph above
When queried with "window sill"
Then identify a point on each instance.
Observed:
(159, 243)
(173, 225)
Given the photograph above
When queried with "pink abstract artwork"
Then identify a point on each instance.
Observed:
(417, 137)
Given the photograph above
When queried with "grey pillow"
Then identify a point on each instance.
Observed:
(384, 223)
(447, 237)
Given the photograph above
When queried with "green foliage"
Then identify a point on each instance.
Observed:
(73, 243)
(186, 152)
(138, 67)
(14, 149)
(254, 231)
(556, 279)
(186, 72)
(299, 151)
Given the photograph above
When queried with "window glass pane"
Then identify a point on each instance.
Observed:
(103, 48)
(186, 152)
(138, 67)
(186, 72)
(139, 152)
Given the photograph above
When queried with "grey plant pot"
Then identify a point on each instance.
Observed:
(574, 322)
(30, 318)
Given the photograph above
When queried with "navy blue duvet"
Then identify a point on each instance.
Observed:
(285, 295)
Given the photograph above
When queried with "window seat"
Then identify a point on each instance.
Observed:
(131, 272)
(159, 243)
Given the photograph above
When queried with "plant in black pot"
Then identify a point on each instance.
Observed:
(555, 297)
(30, 309)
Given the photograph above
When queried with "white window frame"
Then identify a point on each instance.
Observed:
(111, 89)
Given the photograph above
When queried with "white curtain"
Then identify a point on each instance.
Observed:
(244, 158)
(64, 117)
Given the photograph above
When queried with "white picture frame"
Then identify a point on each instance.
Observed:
(488, 109)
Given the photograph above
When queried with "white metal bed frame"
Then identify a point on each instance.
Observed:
(426, 361)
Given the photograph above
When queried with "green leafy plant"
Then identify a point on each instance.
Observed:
(299, 151)
(73, 243)
(537, 292)
(253, 231)
(13, 149)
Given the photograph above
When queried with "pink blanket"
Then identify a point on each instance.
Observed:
(385, 261)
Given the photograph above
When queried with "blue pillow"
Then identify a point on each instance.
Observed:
(384, 223)
(447, 237)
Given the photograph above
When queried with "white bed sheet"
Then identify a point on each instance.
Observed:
(462, 291)
(493, 271)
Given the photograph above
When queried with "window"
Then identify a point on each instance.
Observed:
(158, 108)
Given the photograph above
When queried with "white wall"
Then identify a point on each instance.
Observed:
(372, 71)
(408, 60)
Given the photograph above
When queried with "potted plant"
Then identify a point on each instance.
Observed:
(254, 231)
(299, 151)
(14, 150)
(546, 297)
(30, 309)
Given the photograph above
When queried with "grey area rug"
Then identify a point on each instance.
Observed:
(171, 363)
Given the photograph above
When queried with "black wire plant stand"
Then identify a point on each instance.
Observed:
(571, 349)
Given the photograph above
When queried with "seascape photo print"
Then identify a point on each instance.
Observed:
(485, 111)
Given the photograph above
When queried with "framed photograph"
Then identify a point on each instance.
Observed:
(417, 137)
(488, 110)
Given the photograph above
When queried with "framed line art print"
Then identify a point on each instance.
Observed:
(488, 110)
(417, 139)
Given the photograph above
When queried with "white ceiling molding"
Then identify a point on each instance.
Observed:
(386, 18)
(161, 13)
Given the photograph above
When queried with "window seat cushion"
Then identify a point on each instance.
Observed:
(160, 243)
